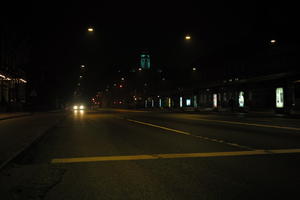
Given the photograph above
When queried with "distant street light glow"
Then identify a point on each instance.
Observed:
(273, 41)
(194, 69)
(187, 37)
(90, 30)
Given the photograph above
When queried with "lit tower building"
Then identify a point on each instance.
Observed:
(145, 60)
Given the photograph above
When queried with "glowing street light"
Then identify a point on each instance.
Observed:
(90, 29)
(194, 69)
(187, 37)
(273, 41)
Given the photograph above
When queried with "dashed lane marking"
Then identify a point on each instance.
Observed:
(161, 127)
(173, 156)
(190, 134)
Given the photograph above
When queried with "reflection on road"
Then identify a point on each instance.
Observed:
(78, 113)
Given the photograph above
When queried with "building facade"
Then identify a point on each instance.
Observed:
(267, 80)
(13, 57)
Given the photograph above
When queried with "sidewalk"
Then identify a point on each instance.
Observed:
(4, 116)
(17, 135)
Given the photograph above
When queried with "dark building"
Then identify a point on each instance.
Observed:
(263, 79)
(14, 53)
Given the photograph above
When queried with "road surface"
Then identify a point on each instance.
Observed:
(120, 154)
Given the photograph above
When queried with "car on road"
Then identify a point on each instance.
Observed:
(79, 106)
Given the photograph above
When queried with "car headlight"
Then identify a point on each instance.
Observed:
(75, 107)
(81, 107)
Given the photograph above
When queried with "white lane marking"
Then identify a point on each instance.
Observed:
(161, 127)
(189, 134)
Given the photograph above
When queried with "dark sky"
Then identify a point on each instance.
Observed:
(60, 42)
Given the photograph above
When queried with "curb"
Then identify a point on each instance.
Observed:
(16, 116)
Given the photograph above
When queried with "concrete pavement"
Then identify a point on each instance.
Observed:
(21, 130)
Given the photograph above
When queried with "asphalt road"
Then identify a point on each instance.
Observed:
(117, 154)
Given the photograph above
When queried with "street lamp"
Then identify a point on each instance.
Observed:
(187, 37)
(194, 69)
(90, 29)
(273, 41)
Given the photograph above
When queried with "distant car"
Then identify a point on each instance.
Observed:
(78, 106)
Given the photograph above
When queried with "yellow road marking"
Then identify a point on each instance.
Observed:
(248, 124)
(161, 127)
(170, 156)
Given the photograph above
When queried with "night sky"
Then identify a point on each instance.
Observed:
(60, 42)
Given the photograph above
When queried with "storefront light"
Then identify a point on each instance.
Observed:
(241, 99)
(180, 102)
(22, 80)
(188, 102)
(279, 98)
(215, 100)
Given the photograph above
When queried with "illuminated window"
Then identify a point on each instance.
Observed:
(188, 102)
(195, 101)
(279, 98)
(169, 102)
(215, 100)
(180, 102)
(241, 99)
